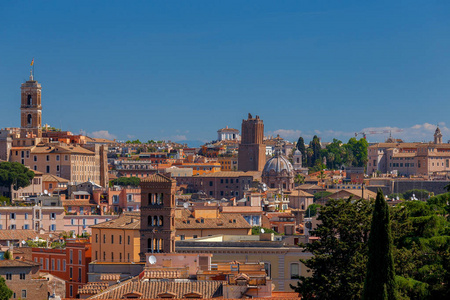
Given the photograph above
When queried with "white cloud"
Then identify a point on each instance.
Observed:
(416, 133)
(102, 134)
(177, 138)
(289, 134)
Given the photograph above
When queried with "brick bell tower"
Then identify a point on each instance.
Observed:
(252, 150)
(157, 215)
(30, 109)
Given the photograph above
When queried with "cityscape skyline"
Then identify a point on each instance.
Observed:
(153, 71)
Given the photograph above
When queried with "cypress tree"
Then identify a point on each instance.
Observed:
(302, 149)
(380, 276)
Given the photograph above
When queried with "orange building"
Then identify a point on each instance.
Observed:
(70, 263)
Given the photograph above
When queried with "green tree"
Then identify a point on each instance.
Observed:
(339, 256)
(7, 255)
(312, 210)
(380, 277)
(5, 292)
(299, 179)
(14, 173)
(316, 149)
(126, 181)
(302, 149)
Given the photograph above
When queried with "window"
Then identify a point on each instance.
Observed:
(48, 169)
(70, 273)
(8, 276)
(267, 268)
(72, 221)
(53, 264)
(120, 239)
(112, 239)
(71, 257)
(26, 216)
(46, 264)
(96, 237)
(47, 157)
(66, 157)
(12, 226)
(129, 238)
(26, 226)
(53, 227)
(58, 265)
(71, 291)
(24, 293)
(53, 216)
(64, 265)
(79, 274)
(95, 222)
(104, 238)
(294, 270)
(34, 158)
(210, 183)
(80, 256)
(57, 168)
(182, 237)
(13, 216)
(57, 157)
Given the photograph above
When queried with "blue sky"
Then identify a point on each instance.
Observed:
(181, 70)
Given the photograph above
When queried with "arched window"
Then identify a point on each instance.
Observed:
(155, 221)
(29, 119)
(29, 100)
(161, 221)
(160, 198)
(149, 245)
(150, 200)
(161, 244)
(149, 221)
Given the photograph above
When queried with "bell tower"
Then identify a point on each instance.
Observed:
(157, 215)
(30, 109)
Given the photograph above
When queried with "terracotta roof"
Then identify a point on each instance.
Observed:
(228, 220)
(308, 187)
(20, 234)
(77, 202)
(92, 288)
(301, 193)
(231, 174)
(99, 140)
(355, 192)
(157, 178)
(12, 263)
(154, 289)
(51, 177)
(125, 221)
(60, 149)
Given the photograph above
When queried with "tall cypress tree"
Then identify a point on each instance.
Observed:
(302, 149)
(380, 276)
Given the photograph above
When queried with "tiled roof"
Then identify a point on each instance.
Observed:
(11, 263)
(308, 187)
(110, 277)
(157, 178)
(125, 221)
(60, 149)
(20, 234)
(231, 174)
(300, 193)
(93, 288)
(153, 289)
(228, 220)
(355, 192)
(77, 202)
(51, 177)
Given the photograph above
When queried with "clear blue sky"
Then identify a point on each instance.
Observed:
(183, 69)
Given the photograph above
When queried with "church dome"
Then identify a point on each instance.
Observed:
(278, 163)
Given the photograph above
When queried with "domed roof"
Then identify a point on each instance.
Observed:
(278, 163)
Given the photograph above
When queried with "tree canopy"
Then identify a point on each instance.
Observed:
(126, 181)
(14, 173)
(5, 292)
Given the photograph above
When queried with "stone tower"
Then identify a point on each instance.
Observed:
(30, 109)
(438, 136)
(297, 159)
(157, 215)
(252, 151)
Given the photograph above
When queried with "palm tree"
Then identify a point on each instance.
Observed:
(299, 179)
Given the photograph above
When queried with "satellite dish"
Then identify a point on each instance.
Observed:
(186, 205)
(262, 230)
(45, 192)
(23, 242)
(152, 260)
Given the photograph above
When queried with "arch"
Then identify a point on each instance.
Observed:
(149, 245)
(149, 221)
(155, 221)
(161, 221)
(29, 119)
(29, 100)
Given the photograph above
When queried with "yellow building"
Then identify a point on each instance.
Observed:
(117, 240)
(228, 163)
